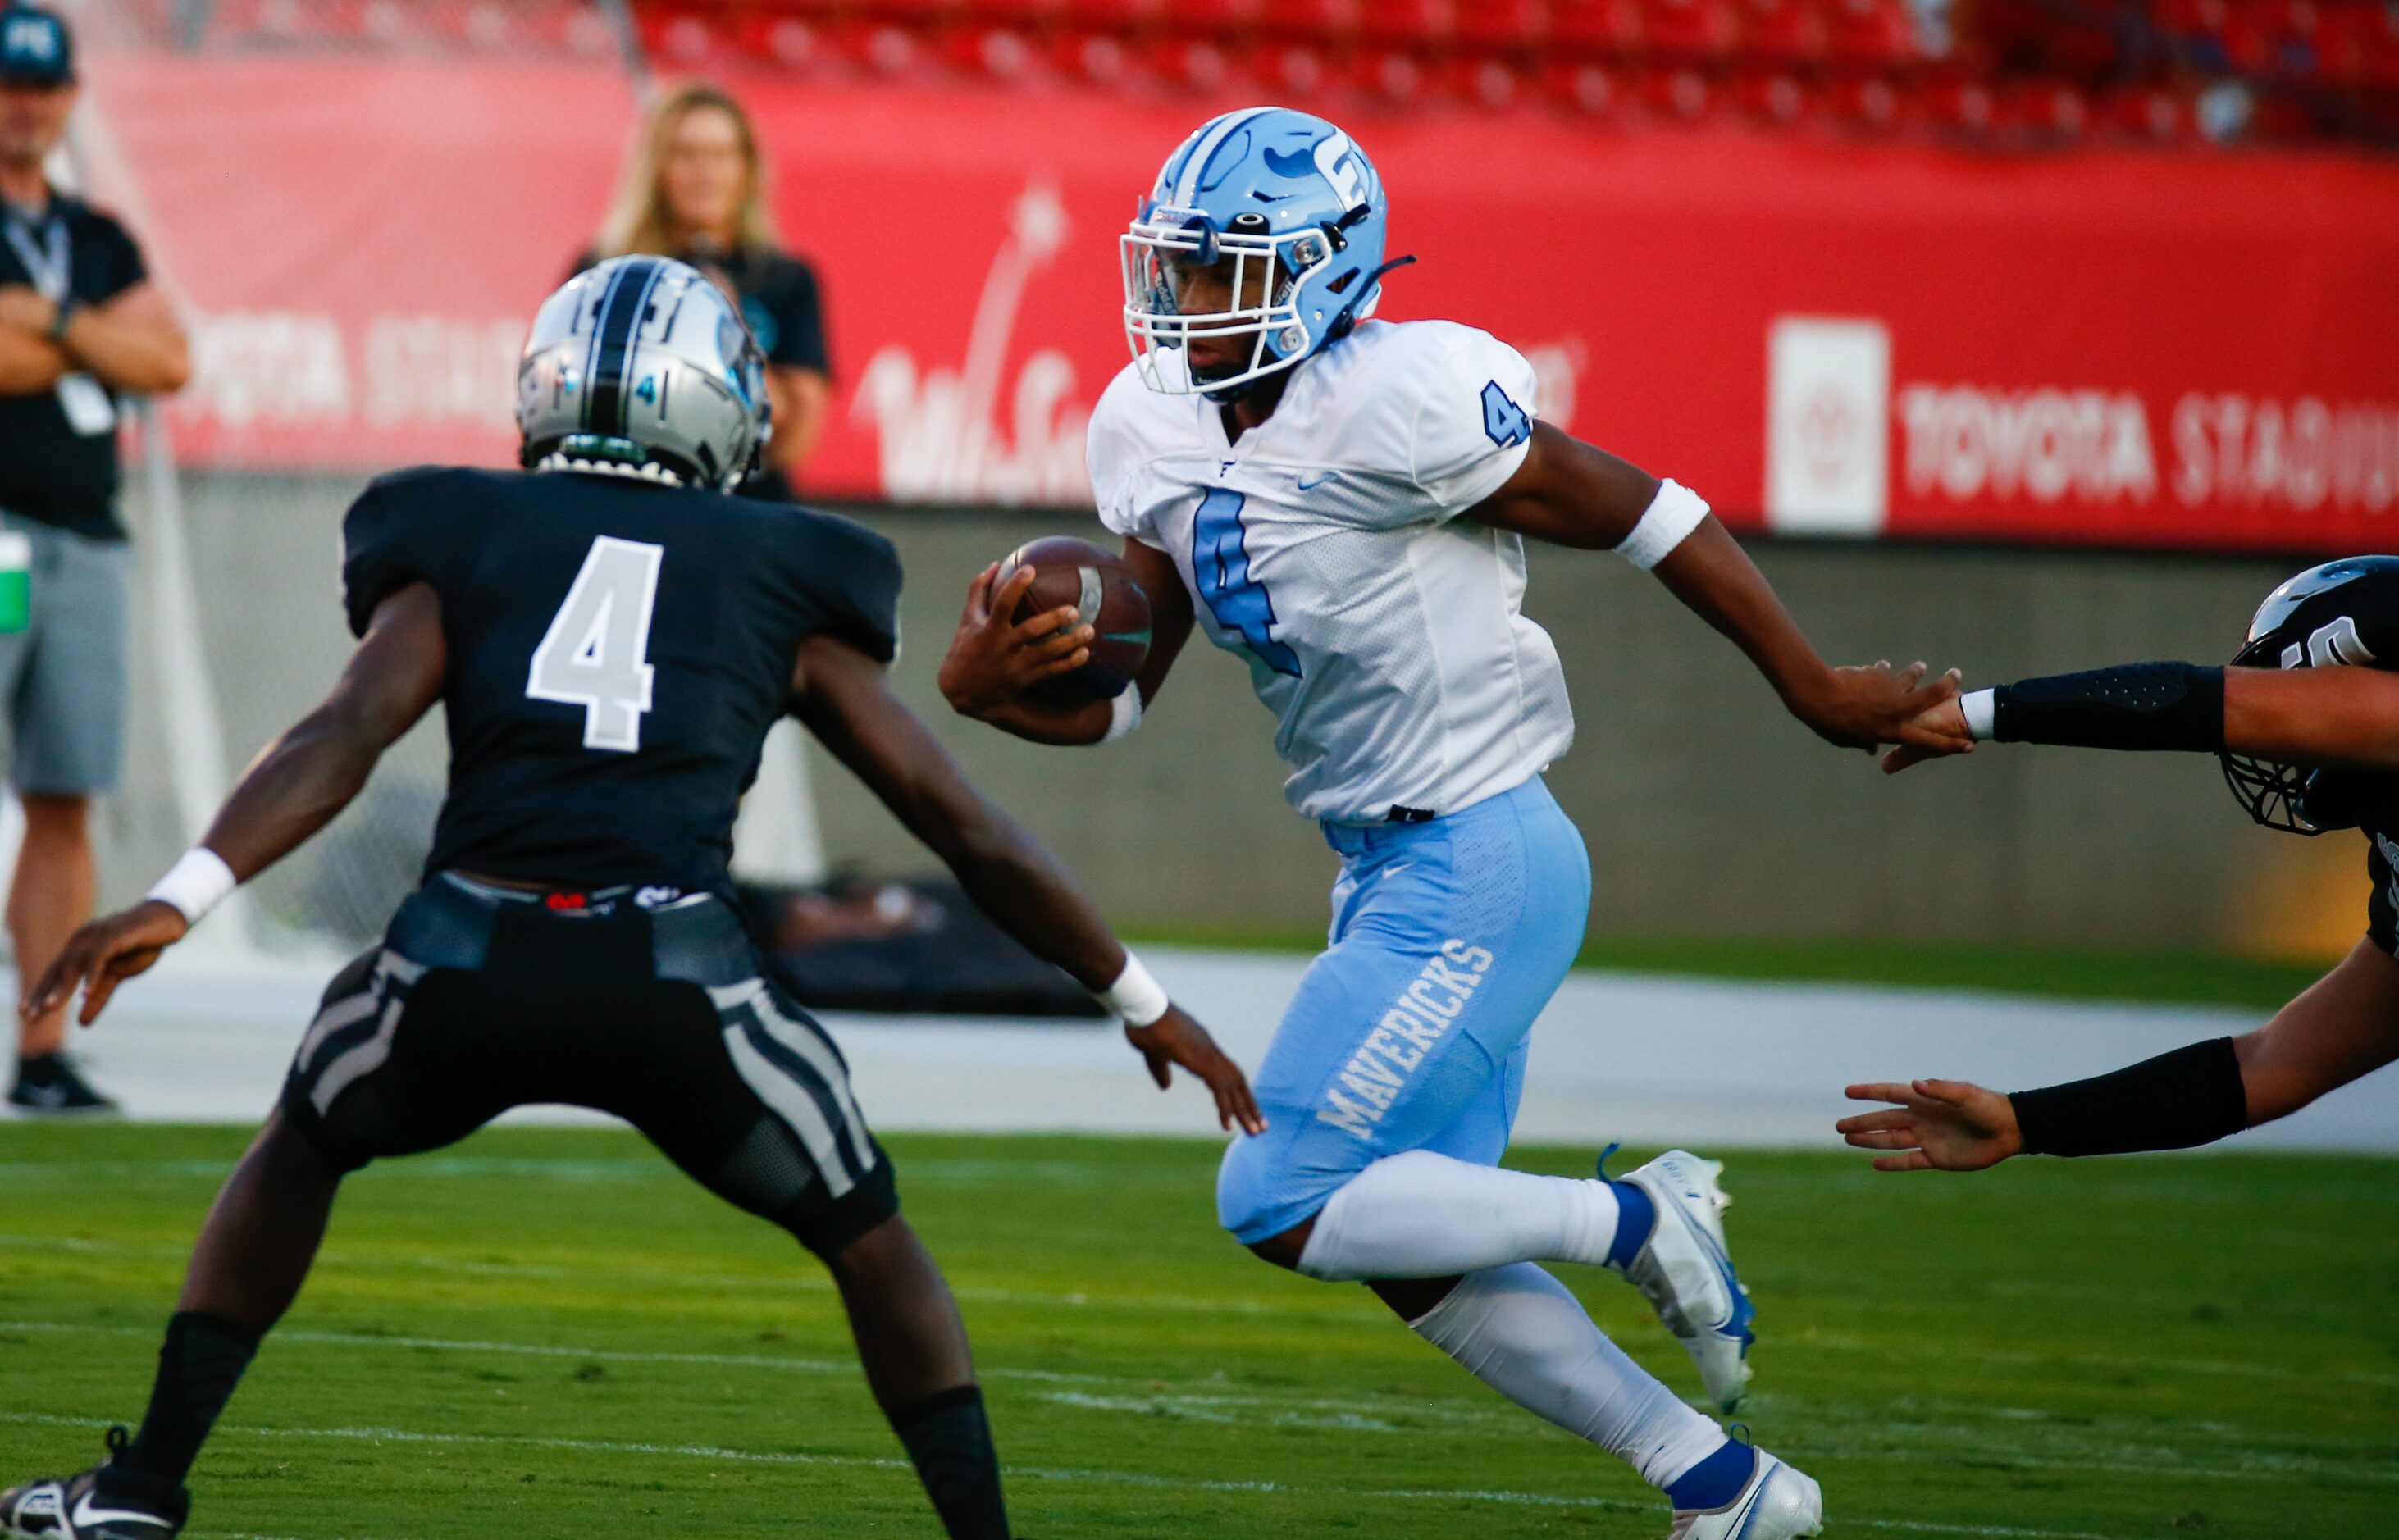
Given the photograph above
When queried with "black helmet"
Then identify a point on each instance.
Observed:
(2344, 612)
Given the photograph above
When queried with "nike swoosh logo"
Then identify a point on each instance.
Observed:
(85, 1515)
(1306, 485)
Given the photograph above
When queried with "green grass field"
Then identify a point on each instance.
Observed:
(548, 1333)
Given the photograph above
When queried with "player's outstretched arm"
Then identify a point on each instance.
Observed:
(2344, 1026)
(290, 792)
(1569, 494)
(845, 698)
(2342, 718)
(993, 660)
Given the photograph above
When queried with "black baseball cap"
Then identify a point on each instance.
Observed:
(35, 47)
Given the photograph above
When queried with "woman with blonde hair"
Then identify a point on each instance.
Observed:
(694, 188)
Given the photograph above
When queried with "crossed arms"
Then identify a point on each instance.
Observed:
(131, 343)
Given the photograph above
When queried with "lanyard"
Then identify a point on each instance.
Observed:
(47, 265)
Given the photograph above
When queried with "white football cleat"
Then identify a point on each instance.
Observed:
(1687, 1273)
(1778, 1504)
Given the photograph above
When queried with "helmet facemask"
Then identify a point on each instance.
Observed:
(2286, 634)
(1252, 285)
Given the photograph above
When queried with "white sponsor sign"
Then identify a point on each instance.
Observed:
(1827, 424)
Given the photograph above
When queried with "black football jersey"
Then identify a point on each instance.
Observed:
(617, 652)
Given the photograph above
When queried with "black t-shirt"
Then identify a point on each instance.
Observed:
(779, 300)
(617, 652)
(47, 470)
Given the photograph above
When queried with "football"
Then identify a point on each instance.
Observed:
(1097, 582)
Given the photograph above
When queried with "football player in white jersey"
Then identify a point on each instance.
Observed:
(1342, 503)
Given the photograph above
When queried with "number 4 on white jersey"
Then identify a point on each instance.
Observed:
(596, 652)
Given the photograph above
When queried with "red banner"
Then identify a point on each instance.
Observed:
(2184, 349)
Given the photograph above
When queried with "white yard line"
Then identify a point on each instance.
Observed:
(2065, 1451)
(1141, 1480)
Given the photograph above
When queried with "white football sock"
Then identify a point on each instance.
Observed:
(1518, 1330)
(1421, 1215)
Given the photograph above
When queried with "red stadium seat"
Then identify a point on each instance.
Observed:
(1218, 21)
(1586, 89)
(890, 52)
(1097, 59)
(1295, 71)
(1514, 27)
(2146, 113)
(1966, 106)
(786, 42)
(918, 16)
(1113, 15)
(1691, 31)
(1491, 84)
(1325, 24)
(1873, 34)
(1874, 104)
(1393, 78)
(2361, 45)
(1684, 97)
(681, 40)
(1421, 26)
(1597, 29)
(1776, 98)
(2052, 109)
(1000, 54)
(1789, 34)
(1193, 64)
(2190, 19)
(1025, 16)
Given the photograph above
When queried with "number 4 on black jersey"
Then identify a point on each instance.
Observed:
(617, 652)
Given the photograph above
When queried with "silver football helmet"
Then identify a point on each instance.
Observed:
(641, 367)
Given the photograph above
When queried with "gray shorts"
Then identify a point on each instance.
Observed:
(64, 675)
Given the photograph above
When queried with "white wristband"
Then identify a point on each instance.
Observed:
(1982, 711)
(1124, 713)
(1135, 995)
(1671, 517)
(195, 883)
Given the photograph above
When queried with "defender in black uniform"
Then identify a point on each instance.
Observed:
(2306, 719)
(609, 643)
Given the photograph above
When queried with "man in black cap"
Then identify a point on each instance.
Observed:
(80, 324)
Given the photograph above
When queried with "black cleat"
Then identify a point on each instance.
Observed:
(50, 1085)
(107, 1502)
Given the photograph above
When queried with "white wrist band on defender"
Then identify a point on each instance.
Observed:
(1982, 714)
(1671, 517)
(1124, 713)
(1137, 996)
(195, 883)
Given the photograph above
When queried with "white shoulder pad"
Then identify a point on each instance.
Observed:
(1114, 445)
(1474, 414)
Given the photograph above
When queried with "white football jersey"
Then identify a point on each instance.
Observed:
(1323, 549)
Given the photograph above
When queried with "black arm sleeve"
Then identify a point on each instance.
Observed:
(2132, 706)
(2191, 1096)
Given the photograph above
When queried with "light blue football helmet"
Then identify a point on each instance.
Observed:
(1294, 208)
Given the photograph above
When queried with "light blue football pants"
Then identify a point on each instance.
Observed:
(1410, 1033)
